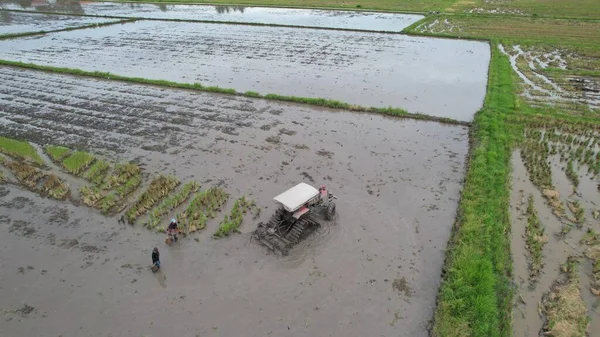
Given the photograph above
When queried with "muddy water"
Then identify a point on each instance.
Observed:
(13, 22)
(281, 16)
(526, 314)
(397, 182)
(439, 77)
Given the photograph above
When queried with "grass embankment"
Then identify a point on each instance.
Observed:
(202, 207)
(322, 102)
(20, 150)
(475, 296)
(167, 205)
(564, 308)
(232, 221)
(159, 188)
(535, 240)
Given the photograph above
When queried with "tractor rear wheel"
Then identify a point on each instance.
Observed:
(330, 211)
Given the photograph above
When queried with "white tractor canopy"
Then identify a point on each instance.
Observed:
(297, 196)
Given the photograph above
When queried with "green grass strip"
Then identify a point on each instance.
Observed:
(20, 150)
(475, 296)
(323, 102)
(77, 162)
(57, 153)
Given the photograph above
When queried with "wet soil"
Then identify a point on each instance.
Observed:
(375, 271)
(528, 320)
(438, 77)
(282, 16)
(540, 89)
(13, 22)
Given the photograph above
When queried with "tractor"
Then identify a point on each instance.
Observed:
(296, 217)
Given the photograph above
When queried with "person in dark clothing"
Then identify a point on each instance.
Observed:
(155, 257)
(172, 230)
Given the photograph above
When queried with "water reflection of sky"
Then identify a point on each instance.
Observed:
(241, 14)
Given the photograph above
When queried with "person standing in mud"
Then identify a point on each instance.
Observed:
(172, 230)
(156, 258)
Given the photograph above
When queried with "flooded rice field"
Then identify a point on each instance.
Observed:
(15, 22)
(280, 16)
(555, 210)
(374, 271)
(438, 77)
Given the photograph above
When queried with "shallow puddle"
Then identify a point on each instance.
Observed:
(14, 22)
(438, 77)
(374, 272)
(281, 16)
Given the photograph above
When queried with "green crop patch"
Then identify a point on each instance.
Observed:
(78, 162)
(120, 175)
(203, 206)
(232, 221)
(20, 150)
(57, 153)
(159, 188)
(97, 172)
(170, 203)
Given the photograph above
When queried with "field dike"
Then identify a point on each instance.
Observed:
(475, 296)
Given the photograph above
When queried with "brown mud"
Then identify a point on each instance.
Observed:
(389, 22)
(15, 23)
(528, 317)
(437, 77)
(374, 272)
